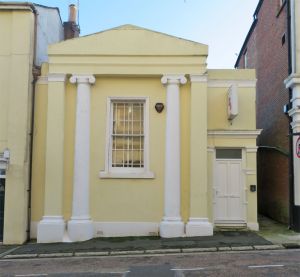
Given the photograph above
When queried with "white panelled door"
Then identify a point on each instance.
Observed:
(229, 200)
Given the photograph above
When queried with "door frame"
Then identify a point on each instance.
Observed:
(244, 202)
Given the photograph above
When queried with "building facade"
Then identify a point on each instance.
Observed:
(266, 49)
(132, 139)
(271, 48)
(26, 31)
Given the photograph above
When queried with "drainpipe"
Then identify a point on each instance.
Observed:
(291, 144)
(35, 74)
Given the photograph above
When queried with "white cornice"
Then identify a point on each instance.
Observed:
(234, 133)
(292, 81)
(198, 78)
(42, 80)
(294, 111)
(56, 77)
(229, 83)
(251, 149)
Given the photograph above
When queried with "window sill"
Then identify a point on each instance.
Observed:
(114, 175)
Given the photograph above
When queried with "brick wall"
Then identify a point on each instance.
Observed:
(269, 56)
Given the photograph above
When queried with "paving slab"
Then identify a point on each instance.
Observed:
(241, 248)
(115, 245)
(88, 254)
(194, 250)
(268, 247)
(225, 248)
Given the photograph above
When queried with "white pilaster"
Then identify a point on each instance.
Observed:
(172, 225)
(80, 227)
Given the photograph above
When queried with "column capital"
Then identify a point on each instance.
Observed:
(198, 78)
(56, 77)
(173, 79)
(82, 79)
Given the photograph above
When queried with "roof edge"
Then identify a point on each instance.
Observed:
(257, 9)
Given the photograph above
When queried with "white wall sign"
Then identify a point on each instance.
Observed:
(233, 106)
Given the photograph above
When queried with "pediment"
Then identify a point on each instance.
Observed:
(129, 40)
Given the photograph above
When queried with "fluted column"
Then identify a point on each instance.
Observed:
(80, 227)
(172, 225)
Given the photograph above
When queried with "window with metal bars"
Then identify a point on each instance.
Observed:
(127, 134)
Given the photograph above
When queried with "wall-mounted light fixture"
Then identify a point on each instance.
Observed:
(159, 107)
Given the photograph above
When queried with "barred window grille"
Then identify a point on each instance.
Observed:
(127, 134)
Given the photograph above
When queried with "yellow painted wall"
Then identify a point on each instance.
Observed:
(217, 121)
(16, 54)
(112, 199)
(138, 200)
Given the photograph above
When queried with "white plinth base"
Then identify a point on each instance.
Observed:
(171, 228)
(253, 226)
(198, 227)
(80, 229)
(50, 229)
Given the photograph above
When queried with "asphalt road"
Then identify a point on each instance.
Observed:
(252, 263)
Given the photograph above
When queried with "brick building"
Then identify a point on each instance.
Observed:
(266, 48)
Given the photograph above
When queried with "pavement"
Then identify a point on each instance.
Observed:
(272, 235)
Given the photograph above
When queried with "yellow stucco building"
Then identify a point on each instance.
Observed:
(23, 49)
(134, 136)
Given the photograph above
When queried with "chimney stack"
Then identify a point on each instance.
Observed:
(71, 28)
(72, 13)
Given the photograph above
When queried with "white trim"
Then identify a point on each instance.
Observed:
(211, 149)
(229, 83)
(42, 80)
(249, 171)
(294, 111)
(56, 77)
(197, 227)
(251, 149)
(253, 226)
(125, 229)
(235, 133)
(114, 229)
(198, 78)
(292, 81)
(123, 173)
(51, 229)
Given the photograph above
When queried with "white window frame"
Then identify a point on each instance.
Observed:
(128, 172)
(246, 59)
